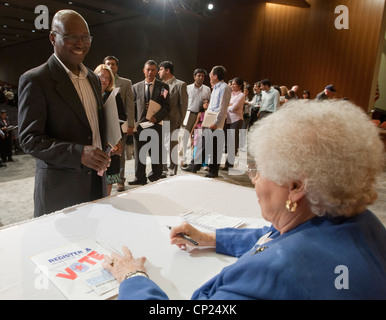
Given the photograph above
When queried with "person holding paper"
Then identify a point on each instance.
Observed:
(313, 184)
(106, 77)
(126, 92)
(178, 107)
(212, 141)
(61, 121)
(197, 92)
(196, 132)
(152, 105)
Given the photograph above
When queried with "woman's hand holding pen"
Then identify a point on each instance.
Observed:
(202, 238)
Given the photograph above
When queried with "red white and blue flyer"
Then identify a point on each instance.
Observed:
(76, 270)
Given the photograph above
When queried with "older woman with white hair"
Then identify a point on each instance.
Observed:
(315, 174)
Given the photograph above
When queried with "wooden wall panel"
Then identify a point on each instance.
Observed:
(299, 45)
(311, 52)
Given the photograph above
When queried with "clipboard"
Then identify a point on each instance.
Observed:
(153, 108)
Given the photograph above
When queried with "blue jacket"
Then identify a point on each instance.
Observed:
(324, 258)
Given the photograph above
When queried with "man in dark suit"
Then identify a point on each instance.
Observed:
(61, 120)
(144, 91)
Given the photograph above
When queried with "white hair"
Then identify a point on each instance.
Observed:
(332, 146)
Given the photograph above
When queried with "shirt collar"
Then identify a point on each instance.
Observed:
(218, 84)
(83, 70)
(169, 81)
(150, 82)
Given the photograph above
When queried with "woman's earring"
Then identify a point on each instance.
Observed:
(291, 206)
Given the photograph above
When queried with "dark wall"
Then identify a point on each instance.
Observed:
(252, 39)
(134, 41)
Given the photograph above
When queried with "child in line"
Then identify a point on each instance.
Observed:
(196, 132)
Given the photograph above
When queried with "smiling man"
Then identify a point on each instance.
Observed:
(61, 120)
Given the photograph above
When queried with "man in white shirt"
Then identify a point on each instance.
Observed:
(212, 139)
(197, 92)
(61, 120)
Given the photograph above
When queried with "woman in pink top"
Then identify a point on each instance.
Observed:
(234, 121)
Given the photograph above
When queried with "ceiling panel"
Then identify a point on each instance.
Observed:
(17, 17)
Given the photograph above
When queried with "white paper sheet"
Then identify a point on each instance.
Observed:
(209, 119)
(113, 131)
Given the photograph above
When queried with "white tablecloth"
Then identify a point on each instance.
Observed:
(137, 219)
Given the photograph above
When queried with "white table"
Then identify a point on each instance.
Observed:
(135, 218)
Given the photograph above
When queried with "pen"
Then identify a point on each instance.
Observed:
(184, 236)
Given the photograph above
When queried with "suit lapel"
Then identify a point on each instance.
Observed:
(140, 101)
(156, 90)
(66, 90)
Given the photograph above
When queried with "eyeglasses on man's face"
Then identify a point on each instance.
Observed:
(74, 39)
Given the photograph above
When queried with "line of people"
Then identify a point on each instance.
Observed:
(61, 119)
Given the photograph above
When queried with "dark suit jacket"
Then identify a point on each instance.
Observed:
(139, 100)
(2, 125)
(53, 127)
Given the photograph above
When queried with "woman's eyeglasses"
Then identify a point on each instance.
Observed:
(104, 78)
(252, 173)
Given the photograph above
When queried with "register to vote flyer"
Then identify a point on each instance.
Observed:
(76, 269)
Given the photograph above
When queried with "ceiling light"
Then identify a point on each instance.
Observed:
(210, 6)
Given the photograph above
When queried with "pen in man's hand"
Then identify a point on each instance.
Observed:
(184, 236)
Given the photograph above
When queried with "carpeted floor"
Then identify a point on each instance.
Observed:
(17, 182)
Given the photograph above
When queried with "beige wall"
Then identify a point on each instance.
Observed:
(381, 102)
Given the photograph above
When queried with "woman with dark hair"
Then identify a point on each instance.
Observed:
(306, 95)
(234, 121)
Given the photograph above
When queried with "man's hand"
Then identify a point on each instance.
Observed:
(130, 131)
(153, 120)
(95, 158)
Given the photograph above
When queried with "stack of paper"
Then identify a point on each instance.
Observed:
(211, 220)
